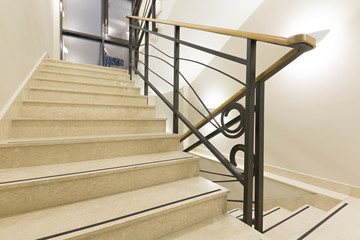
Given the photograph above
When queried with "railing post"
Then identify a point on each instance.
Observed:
(136, 44)
(153, 13)
(146, 73)
(176, 80)
(130, 47)
(259, 156)
(249, 132)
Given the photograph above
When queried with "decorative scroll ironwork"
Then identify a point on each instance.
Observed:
(234, 150)
(240, 129)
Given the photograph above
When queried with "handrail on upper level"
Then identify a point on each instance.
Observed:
(290, 41)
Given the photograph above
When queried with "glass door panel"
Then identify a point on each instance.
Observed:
(116, 56)
(118, 25)
(83, 16)
(82, 50)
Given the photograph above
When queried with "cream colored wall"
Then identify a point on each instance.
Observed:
(28, 29)
(312, 118)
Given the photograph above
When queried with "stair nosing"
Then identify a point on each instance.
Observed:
(92, 68)
(105, 78)
(85, 104)
(83, 139)
(92, 172)
(74, 82)
(182, 203)
(83, 92)
(53, 61)
(89, 119)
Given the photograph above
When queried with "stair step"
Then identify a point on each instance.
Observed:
(82, 66)
(148, 213)
(293, 226)
(40, 128)
(73, 85)
(35, 152)
(65, 95)
(46, 109)
(85, 77)
(68, 70)
(34, 188)
(219, 227)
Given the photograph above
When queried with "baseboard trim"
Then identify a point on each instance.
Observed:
(17, 92)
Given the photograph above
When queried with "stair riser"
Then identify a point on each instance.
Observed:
(43, 95)
(159, 225)
(52, 153)
(80, 66)
(48, 128)
(33, 196)
(85, 72)
(87, 79)
(84, 87)
(44, 110)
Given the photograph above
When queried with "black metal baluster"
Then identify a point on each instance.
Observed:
(136, 43)
(249, 132)
(259, 156)
(176, 80)
(153, 12)
(130, 47)
(146, 73)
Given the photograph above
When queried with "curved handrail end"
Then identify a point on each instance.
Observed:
(303, 39)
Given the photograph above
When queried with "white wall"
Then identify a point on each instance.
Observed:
(227, 14)
(28, 29)
(312, 117)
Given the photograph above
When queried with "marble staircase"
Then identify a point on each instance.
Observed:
(86, 158)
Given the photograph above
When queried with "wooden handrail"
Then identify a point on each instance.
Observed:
(299, 38)
(241, 92)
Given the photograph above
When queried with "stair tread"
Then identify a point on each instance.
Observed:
(24, 175)
(87, 119)
(96, 138)
(89, 75)
(81, 83)
(53, 62)
(220, 227)
(79, 103)
(84, 92)
(109, 211)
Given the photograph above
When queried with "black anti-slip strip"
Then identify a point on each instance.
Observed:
(238, 217)
(126, 216)
(281, 222)
(215, 173)
(276, 209)
(95, 170)
(322, 222)
(224, 181)
(263, 215)
(234, 200)
(236, 209)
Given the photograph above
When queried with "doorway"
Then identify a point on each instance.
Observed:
(95, 32)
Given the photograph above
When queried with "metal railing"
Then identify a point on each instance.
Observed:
(251, 117)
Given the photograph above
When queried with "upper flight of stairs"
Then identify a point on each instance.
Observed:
(86, 158)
